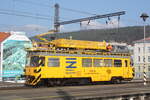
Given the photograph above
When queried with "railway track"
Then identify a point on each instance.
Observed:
(74, 92)
(13, 86)
(85, 92)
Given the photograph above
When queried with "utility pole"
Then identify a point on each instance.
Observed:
(144, 16)
(56, 18)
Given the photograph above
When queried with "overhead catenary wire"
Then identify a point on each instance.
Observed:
(34, 3)
(16, 11)
(40, 16)
(28, 14)
(77, 11)
(62, 8)
(6, 12)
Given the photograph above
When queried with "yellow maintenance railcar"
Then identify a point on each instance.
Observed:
(52, 67)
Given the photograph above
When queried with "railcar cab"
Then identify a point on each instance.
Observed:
(34, 65)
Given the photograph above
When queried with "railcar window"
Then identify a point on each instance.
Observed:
(36, 61)
(53, 62)
(86, 62)
(28, 61)
(117, 63)
(108, 62)
(98, 62)
(126, 63)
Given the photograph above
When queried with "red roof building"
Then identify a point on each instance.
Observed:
(4, 35)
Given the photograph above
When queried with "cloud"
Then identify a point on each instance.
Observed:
(30, 29)
(97, 25)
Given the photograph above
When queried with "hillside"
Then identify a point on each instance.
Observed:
(126, 34)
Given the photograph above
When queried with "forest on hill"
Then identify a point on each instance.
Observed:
(124, 34)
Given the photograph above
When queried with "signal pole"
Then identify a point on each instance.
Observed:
(144, 16)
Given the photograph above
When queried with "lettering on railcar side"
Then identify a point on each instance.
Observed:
(71, 64)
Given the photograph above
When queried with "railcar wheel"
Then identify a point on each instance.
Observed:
(84, 82)
(48, 83)
(116, 80)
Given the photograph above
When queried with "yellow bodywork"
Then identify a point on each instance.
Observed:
(39, 36)
(76, 59)
(79, 44)
(76, 70)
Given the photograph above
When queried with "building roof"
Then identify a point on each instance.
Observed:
(4, 35)
(142, 40)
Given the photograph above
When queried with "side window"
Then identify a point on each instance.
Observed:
(98, 62)
(126, 63)
(139, 58)
(36, 61)
(53, 62)
(28, 61)
(108, 62)
(117, 63)
(86, 62)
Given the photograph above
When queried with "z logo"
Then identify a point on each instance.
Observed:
(71, 62)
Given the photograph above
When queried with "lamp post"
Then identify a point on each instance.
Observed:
(144, 16)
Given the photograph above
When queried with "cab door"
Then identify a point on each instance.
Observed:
(126, 68)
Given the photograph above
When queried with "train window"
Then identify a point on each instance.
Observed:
(36, 61)
(53, 62)
(28, 61)
(117, 63)
(86, 62)
(98, 62)
(108, 62)
(126, 63)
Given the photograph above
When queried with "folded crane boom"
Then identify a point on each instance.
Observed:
(74, 45)
(79, 44)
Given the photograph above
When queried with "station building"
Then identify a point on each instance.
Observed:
(139, 57)
(12, 54)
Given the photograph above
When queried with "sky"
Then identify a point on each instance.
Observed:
(37, 16)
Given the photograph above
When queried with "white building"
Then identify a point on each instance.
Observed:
(139, 57)
(12, 54)
(3, 37)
